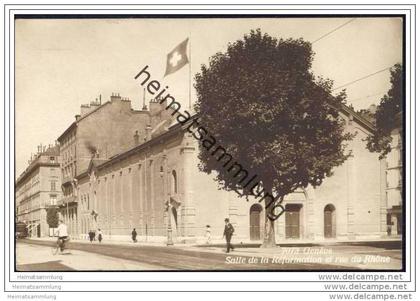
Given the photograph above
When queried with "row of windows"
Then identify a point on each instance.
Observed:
(68, 155)
(70, 137)
(33, 203)
(174, 178)
(68, 171)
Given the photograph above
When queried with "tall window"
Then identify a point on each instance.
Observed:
(53, 199)
(174, 182)
(53, 186)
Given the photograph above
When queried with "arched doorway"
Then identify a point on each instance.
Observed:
(329, 221)
(255, 222)
(293, 220)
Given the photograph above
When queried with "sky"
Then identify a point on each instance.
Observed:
(63, 63)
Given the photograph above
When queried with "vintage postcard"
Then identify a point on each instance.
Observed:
(210, 142)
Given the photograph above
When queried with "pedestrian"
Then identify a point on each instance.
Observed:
(227, 233)
(208, 235)
(134, 235)
(91, 235)
(99, 235)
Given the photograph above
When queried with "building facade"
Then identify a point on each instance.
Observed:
(155, 186)
(394, 185)
(100, 132)
(38, 188)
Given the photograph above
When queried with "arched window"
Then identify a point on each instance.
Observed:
(174, 182)
(255, 220)
(329, 221)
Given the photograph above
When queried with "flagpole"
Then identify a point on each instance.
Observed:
(189, 85)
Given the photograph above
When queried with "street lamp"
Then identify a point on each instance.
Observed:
(168, 209)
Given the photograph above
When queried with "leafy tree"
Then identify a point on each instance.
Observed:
(388, 115)
(262, 103)
(52, 217)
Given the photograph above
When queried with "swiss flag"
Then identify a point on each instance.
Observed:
(177, 58)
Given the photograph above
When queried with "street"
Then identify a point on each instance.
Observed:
(36, 255)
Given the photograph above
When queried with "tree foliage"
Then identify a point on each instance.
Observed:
(262, 103)
(52, 217)
(388, 115)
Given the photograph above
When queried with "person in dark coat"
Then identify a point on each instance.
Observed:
(99, 235)
(227, 233)
(91, 235)
(134, 235)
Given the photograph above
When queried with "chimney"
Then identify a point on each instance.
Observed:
(148, 132)
(84, 109)
(144, 100)
(154, 106)
(136, 138)
(77, 117)
(115, 96)
(372, 108)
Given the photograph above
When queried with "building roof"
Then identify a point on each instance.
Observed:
(51, 151)
(72, 126)
(75, 123)
(359, 118)
(172, 130)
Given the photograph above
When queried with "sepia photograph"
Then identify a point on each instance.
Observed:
(209, 143)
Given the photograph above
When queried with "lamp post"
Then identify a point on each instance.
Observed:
(169, 241)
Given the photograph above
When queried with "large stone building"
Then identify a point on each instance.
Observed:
(394, 170)
(37, 188)
(140, 170)
(100, 132)
(393, 173)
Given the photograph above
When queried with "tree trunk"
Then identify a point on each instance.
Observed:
(269, 238)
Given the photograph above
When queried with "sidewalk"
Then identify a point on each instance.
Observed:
(242, 244)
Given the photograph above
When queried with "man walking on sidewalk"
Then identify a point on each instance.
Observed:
(228, 234)
(134, 235)
(99, 235)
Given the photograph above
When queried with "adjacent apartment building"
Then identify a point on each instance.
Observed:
(101, 131)
(394, 185)
(37, 188)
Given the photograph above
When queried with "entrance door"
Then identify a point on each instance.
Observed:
(254, 221)
(293, 220)
(329, 221)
